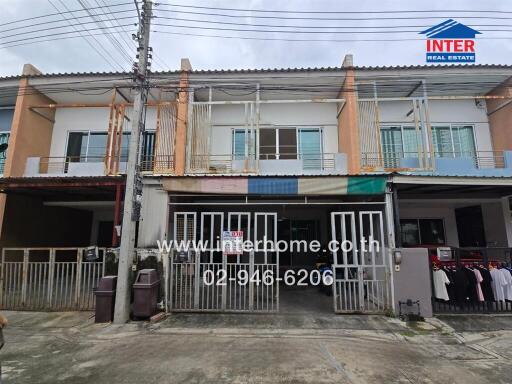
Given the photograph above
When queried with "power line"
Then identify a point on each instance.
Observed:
(55, 39)
(130, 43)
(309, 40)
(113, 40)
(54, 28)
(57, 34)
(316, 26)
(59, 21)
(295, 31)
(112, 63)
(329, 12)
(331, 18)
(55, 14)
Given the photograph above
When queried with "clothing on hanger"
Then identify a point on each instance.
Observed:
(498, 284)
(486, 284)
(479, 279)
(440, 281)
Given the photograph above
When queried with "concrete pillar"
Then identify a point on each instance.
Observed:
(507, 218)
(180, 153)
(348, 129)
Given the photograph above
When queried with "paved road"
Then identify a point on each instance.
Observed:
(70, 348)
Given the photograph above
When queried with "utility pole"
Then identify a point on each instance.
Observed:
(133, 190)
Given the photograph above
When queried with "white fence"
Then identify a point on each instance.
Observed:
(49, 278)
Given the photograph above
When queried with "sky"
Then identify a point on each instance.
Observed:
(77, 55)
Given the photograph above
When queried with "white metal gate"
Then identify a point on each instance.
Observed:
(185, 273)
(360, 265)
(48, 279)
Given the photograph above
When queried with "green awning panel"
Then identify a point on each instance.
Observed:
(366, 185)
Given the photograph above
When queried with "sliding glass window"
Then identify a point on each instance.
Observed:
(454, 141)
(283, 144)
(400, 141)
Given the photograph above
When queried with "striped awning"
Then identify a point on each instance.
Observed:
(338, 185)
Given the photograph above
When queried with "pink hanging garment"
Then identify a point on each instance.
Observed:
(479, 279)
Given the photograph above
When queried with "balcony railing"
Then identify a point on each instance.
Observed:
(411, 160)
(157, 163)
(58, 165)
(268, 163)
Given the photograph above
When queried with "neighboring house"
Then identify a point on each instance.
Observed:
(415, 157)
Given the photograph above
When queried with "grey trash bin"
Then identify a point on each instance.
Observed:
(145, 293)
(105, 299)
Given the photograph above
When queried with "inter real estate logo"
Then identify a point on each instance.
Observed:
(450, 42)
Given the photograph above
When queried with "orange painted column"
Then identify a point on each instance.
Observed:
(348, 128)
(31, 133)
(500, 117)
(180, 145)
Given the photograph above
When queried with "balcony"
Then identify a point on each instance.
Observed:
(269, 164)
(69, 166)
(160, 164)
(477, 163)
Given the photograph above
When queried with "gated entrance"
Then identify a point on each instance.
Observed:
(203, 278)
(361, 271)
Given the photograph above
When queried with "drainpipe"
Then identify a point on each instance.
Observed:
(390, 221)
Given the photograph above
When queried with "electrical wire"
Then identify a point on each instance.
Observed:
(317, 26)
(60, 21)
(54, 28)
(209, 14)
(309, 40)
(130, 43)
(111, 38)
(302, 32)
(55, 14)
(110, 60)
(330, 12)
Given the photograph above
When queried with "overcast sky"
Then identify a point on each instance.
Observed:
(76, 54)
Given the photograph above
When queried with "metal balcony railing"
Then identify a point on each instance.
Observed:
(157, 163)
(231, 163)
(55, 165)
(396, 160)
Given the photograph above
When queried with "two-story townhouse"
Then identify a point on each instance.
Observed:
(407, 155)
(63, 182)
(415, 158)
(443, 133)
(265, 155)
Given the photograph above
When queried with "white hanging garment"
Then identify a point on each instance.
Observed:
(440, 281)
(498, 284)
(507, 289)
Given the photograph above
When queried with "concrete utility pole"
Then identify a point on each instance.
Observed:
(133, 190)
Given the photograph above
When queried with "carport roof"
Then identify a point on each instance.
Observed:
(67, 188)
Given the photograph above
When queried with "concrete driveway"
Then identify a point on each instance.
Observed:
(70, 348)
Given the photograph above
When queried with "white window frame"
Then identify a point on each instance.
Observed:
(276, 130)
(451, 125)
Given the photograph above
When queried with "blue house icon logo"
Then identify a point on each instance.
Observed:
(450, 42)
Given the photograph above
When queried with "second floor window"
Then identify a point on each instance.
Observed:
(92, 146)
(403, 141)
(281, 144)
(454, 141)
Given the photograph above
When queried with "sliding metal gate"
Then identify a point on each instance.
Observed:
(48, 279)
(360, 270)
(205, 279)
